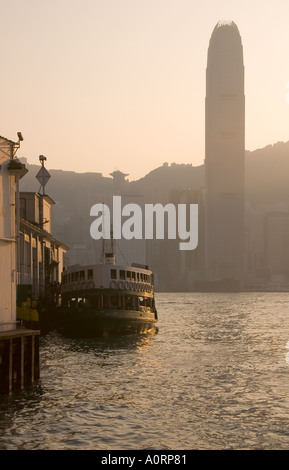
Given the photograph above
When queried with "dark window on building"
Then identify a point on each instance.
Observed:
(90, 274)
(113, 273)
(23, 208)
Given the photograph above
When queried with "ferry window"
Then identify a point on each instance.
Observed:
(114, 301)
(106, 301)
(128, 302)
(133, 275)
(113, 273)
(122, 274)
(82, 275)
(141, 276)
(128, 274)
(137, 276)
(90, 274)
(77, 276)
(95, 302)
(72, 277)
(80, 304)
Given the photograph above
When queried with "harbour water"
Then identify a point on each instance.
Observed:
(214, 376)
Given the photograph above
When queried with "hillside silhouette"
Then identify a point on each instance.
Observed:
(267, 178)
(267, 174)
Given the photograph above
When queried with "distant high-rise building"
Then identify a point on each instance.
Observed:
(225, 154)
(276, 247)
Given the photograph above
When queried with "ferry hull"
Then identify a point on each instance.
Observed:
(107, 323)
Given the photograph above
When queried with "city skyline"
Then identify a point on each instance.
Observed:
(98, 86)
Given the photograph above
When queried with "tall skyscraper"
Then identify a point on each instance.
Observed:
(225, 154)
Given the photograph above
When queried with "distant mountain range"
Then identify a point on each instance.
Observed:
(267, 180)
(267, 174)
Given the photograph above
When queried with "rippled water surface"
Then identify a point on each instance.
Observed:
(214, 376)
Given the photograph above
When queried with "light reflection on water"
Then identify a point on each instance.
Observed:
(214, 376)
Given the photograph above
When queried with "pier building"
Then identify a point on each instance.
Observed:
(19, 347)
(41, 257)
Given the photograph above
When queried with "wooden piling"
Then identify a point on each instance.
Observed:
(19, 359)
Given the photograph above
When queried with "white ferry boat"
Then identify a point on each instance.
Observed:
(104, 299)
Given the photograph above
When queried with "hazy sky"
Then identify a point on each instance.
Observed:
(99, 85)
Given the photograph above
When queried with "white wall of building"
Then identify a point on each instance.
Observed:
(8, 276)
